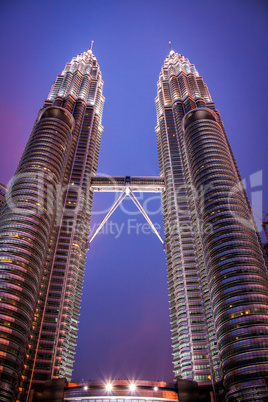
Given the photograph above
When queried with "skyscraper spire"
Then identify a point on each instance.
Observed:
(171, 50)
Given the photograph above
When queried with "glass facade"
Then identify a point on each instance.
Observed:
(216, 272)
(43, 232)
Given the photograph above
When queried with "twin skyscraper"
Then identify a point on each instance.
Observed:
(217, 277)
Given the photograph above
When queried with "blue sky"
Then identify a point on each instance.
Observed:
(124, 326)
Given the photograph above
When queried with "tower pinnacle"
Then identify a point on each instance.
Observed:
(171, 50)
(91, 46)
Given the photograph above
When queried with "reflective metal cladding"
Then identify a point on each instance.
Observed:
(43, 233)
(217, 277)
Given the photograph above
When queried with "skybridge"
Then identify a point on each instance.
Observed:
(135, 184)
(127, 186)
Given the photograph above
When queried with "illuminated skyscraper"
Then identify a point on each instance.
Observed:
(43, 232)
(218, 284)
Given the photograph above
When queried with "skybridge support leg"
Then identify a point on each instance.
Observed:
(110, 212)
(121, 197)
(141, 209)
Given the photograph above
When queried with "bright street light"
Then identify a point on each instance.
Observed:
(132, 387)
(109, 387)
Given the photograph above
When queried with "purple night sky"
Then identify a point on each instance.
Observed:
(124, 325)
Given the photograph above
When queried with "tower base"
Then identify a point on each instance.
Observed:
(190, 391)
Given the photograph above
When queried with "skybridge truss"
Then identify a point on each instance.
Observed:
(127, 186)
